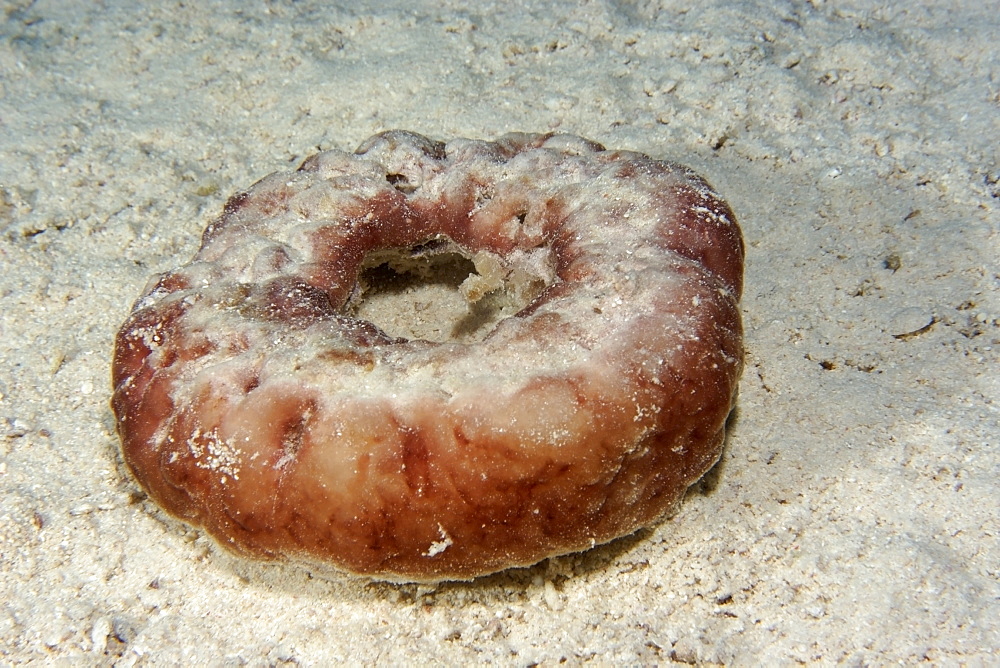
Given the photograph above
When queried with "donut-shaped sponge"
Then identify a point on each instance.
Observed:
(254, 399)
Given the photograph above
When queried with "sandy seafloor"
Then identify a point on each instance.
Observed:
(855, 514)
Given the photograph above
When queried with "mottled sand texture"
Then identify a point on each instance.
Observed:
(853, 517)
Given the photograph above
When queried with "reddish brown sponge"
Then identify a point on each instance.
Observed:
(254, 400)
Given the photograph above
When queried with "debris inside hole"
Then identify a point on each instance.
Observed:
(401, 183)
(437, 291)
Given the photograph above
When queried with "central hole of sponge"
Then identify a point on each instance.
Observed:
(434, 291)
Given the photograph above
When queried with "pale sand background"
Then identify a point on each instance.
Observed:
(854, 517)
